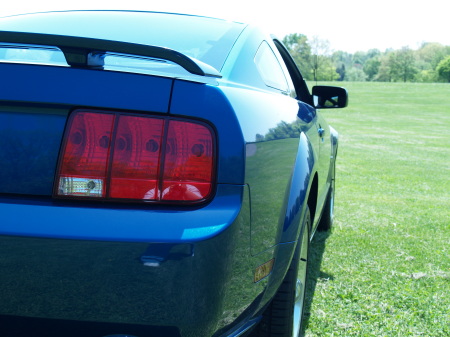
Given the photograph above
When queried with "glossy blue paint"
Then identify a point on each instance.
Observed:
(210, 103)
(175, 270)
(154, 282)
(128, 223)
(80, 87)
(298, 192)
(30, 139)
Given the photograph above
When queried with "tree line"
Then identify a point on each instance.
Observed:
(429, 63)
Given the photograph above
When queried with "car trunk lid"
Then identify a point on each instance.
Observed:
(35, 101)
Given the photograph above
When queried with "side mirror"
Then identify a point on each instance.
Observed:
(326, 97)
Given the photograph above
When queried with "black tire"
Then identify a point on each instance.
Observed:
(326, 221)
(284, 315)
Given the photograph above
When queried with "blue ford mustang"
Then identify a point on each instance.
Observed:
(161, 175)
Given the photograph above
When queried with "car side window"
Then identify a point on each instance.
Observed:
(301, 88)
(270, 69)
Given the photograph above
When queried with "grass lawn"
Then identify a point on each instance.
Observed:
(385, 267)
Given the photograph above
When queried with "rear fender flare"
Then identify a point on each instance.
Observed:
(289, 225)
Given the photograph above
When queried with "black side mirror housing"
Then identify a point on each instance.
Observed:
(328, 97)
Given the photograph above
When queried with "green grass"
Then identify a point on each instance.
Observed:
(385, 268)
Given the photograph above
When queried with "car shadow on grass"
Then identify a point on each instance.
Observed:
(316, 251)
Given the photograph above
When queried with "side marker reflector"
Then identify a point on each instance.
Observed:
(263, 270)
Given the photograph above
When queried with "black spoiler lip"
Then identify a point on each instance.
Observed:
(80, 51)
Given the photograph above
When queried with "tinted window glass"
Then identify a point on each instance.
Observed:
(208, 40)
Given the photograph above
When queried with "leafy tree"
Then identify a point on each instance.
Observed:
(428, 75)
(373, 53)
(341, 72)
(402, 65)
(342, 61)
(356, 74)
(443, 69)
(384, 71)
(316, 62)
(259, 137)
(298, 46)
(431, 54)
(359, 58)
(327, 70)
(428, 57)
(371, 67)
(341, 57)
(320, 50)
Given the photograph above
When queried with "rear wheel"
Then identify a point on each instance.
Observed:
(284, 316)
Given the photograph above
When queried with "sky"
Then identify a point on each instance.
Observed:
(348, 25)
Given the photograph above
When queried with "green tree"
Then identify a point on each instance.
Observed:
(298, 46)
(320, 50)
(384, 73)
(428, 75)
(342, 61)
(342, 57)
(402, 65)
(314, 58)
(356, 74)
(371, 67)
(359, 58)
(341, 71)
(443, 69)
(428, 57)
(373, 53)
(327, 70)
(432, 54)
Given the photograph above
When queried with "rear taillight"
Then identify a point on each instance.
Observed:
(122, 156)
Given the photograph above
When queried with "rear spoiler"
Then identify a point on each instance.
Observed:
(83, 52)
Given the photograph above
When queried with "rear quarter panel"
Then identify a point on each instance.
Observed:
(282, 156)
(281, 144)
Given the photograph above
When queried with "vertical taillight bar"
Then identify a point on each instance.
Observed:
(136, 158)
(84, 164)
(188, 162)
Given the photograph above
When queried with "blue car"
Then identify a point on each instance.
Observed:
(161, 175)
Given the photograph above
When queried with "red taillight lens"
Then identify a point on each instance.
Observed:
(118, 156)
(188, 162)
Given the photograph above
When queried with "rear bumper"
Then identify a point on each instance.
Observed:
(121, 222)
(180, 273)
